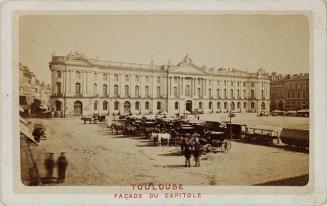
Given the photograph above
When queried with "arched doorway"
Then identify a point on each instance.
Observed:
(58, 105)
(78, 107)
(189, 106)
(127, 107)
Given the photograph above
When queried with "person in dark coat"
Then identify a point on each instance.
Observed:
(49, 165)
(62, 164)
(183, 144)
(197, 154)
(187, 154)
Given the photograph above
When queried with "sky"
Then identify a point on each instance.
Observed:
(277, 43)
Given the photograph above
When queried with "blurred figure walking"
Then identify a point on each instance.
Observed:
(62, 164)
(49, 165)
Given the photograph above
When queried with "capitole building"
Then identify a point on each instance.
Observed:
(82, 85)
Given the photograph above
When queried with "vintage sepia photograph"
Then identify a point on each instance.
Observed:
(150, 99)
(198, 100)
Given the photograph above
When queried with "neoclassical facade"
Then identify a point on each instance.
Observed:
(289, 92)
(81, 85)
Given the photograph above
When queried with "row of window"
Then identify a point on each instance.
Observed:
(297, 95)
(137, 91)
(127, 105)
(137, 79)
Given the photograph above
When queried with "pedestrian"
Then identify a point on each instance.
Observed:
(49, 165)
(62, 164)
(183, 144)
(197, 154)
(187, 154)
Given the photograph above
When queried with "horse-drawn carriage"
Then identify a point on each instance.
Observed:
(39, 132)
(94, 118)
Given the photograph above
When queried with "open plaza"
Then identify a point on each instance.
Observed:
(98, 157)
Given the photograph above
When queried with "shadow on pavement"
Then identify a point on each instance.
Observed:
(292, 181)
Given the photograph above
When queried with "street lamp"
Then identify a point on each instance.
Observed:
(230, 114)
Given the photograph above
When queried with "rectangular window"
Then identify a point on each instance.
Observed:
(175, 91)
(104, 76)
(158, 92)
(158, 80)
(58, 74)
(158, 105)
(199, 92)
(116, 77)
(137, 78)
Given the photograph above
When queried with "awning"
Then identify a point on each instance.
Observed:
(41, 106)
(22, 120)
(25, 131)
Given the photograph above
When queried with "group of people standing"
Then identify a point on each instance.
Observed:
(61, 163)
(191, 147)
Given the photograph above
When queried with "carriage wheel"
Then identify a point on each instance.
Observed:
(226, 145)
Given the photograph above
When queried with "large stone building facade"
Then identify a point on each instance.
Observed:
(81, 85)
(289, 92)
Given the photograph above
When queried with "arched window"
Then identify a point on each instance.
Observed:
(137, 91)
(263, 106)
(210, 105)
(116, 90)
(104, 90)
(147, 91)
(104, 76)
(126, 91)
(232, 106)
(238, 93)
(225, 105)
(147, 105)
(244, 105)
(78, 88)
(218, 93)
(95, 105)
(252, 105)
(105, 105)
(225, 94)
(232, 94)
(238, 105)
(126, 78)
(116, 105)
(137, 105)
(176, 105)
(187, 91)
(244, 93)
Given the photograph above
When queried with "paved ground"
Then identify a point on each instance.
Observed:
(96, 157)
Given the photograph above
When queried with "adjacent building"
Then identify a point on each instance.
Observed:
(31, 90)
(82, 85)
(289, 92)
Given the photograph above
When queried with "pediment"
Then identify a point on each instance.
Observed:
(78, 61)
(188, 69)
